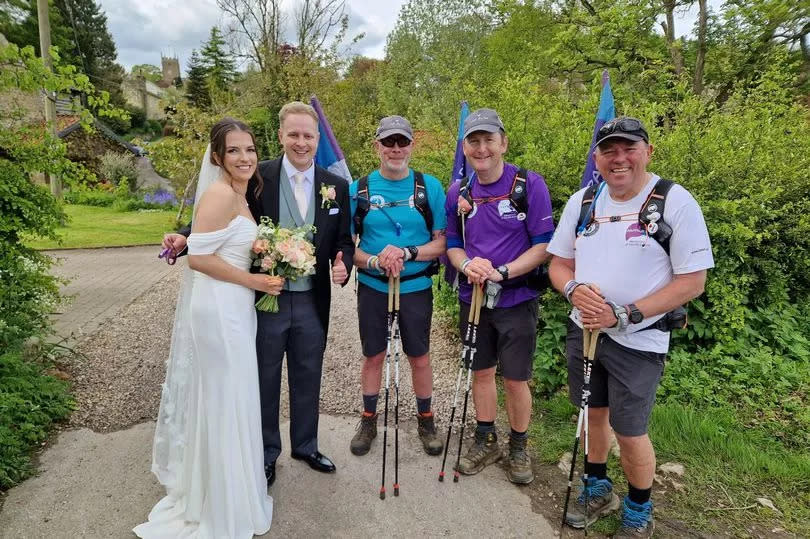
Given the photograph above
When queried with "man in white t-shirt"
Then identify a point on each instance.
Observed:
(623, 274)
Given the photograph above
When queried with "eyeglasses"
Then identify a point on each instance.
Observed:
(624, 125)
(402, 142)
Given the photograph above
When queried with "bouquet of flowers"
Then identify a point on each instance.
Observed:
(284, 252)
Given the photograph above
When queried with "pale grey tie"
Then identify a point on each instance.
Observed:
(300, 194)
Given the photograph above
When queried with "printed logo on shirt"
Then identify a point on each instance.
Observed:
(410, 201)
(377, 201)
(506, 210)
(634, 235)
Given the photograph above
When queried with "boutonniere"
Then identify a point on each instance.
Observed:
(328, 196)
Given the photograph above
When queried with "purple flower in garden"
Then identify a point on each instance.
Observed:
(160, 197)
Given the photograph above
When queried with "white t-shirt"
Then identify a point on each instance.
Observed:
(625, 262)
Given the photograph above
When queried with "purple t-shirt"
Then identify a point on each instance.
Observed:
(495, 231)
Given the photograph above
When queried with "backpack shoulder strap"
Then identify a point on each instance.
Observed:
(651, 214)
(517, 196)
(420, 200)
(586, 209)
(363, 205)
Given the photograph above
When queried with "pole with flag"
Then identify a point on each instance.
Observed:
(606, 112)
(329, 155)
(460, 162)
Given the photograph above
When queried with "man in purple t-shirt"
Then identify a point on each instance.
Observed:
(503, 245)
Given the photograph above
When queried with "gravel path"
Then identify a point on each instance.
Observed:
(119, 375)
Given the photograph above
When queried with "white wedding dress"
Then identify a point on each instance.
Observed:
(213, 470)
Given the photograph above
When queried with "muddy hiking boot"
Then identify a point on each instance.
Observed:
(483, 452)
(520, 465)
(427, 433)
(366, 432)
(637, 520)
(601, 501)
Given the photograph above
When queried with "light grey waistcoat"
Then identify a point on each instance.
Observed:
(290, 217)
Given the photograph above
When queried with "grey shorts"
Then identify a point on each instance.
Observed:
(622, 379)
(415, 313)
(506, 335)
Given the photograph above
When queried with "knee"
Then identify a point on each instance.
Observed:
(375, 361)
(635, 447)
(419, 362)
(515, 386)
(484, 376)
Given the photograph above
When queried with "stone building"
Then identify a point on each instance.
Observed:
(147, 95)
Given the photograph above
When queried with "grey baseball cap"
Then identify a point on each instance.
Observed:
(394, 125)
(483, 120)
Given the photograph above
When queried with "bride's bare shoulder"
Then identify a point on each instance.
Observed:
(216, 208)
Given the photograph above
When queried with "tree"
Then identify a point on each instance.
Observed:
(217, 61)
(257, 25)
(93, 47)
(197, 90)
(18, 22)
(147, 71)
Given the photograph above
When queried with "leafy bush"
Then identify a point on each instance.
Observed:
(117, 167)
(89, 197)
(30, 402)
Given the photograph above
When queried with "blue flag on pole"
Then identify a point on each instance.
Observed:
(460, 162)
(606, 112)
(329, 155)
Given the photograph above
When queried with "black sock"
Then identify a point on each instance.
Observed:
(597, 470)
(370, 403)
(423, 405)
(519, 435)
(638, 495)
(485, 427)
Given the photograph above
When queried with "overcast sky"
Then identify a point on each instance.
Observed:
(144, 29)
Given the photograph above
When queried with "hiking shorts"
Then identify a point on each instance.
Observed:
(622, 379)
(415, 313)
(506, 335)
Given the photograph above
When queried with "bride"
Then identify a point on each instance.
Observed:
(208, 441)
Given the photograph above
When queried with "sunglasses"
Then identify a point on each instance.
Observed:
(624, 125)
(402, 142)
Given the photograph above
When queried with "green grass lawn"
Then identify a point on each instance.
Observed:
(92, 226)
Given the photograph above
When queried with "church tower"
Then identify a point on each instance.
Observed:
(171, 71)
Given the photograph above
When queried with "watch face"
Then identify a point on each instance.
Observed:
(636, 316)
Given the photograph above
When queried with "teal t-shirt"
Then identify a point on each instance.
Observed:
(393, 219)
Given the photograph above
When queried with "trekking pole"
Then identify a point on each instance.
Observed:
(397, 345)
(387, 379)
(464, 350)
(477, 300)
(589, 339)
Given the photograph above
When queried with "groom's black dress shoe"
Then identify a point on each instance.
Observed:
(270, 473)
(317, 461)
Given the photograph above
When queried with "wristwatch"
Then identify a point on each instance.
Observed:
(634, 314)
(504, 271)
(413, 252)
(622, 318)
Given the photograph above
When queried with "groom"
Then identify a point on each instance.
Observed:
(291, 196)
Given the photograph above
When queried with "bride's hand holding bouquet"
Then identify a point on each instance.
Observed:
(284, 253)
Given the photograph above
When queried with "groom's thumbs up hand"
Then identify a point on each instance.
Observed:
(339, 272)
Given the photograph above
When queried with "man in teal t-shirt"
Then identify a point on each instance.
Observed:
(396, 238)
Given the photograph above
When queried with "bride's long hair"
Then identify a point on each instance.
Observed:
(219, 132)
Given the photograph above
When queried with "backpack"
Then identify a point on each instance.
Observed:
(650, 215)
(650, 218)
(420, 202)
(536, 279)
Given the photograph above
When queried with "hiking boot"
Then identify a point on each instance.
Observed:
(601, 500)
(483, 452)
(520, 465)
(427, 433)
(366, 432)
(637, 520)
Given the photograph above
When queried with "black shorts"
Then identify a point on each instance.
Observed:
(415, 313)
(622, 379)
(507, 335)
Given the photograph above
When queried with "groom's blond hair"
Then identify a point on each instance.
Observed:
(296, 107)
